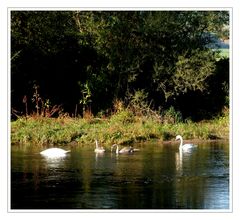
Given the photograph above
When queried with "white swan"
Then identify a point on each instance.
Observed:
(98, 149)
(124, 150)
(54, 152)
(185, 146)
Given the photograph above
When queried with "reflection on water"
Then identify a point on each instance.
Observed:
(156, 177)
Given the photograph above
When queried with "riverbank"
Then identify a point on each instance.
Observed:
(121, 128)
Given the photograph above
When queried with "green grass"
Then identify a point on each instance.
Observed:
(122, 128)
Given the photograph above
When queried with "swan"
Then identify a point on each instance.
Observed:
(124, 150)
(185, 146)
(98, 149)
(54, 152)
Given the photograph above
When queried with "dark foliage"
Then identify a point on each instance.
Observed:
(163, 53)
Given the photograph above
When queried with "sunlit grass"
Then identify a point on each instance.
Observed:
(121, 128)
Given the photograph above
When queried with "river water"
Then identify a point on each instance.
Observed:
(159, 176)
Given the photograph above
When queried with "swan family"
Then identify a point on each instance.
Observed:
(58, 152)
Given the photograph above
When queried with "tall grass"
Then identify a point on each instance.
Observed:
(122, 127)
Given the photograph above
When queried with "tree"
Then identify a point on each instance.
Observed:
(115, 53)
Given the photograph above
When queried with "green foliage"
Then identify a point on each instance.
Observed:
(163, 37)
(138, 102)
(172, 116)
(123, 117)
(86, 96)
(123, 128)
(47, 31)
(159, 57)
(192, 71)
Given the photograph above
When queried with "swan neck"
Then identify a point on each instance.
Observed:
(117, 150)
(181, 142)
(96, 144)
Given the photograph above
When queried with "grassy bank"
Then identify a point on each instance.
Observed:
(123, 127)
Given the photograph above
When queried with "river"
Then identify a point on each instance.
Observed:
(158, 177)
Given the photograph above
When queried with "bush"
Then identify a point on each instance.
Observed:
(172, 116)
(124, 117)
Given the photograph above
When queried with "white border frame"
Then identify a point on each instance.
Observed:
(234, 82)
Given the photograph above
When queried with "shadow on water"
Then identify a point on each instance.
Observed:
(156, 177)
